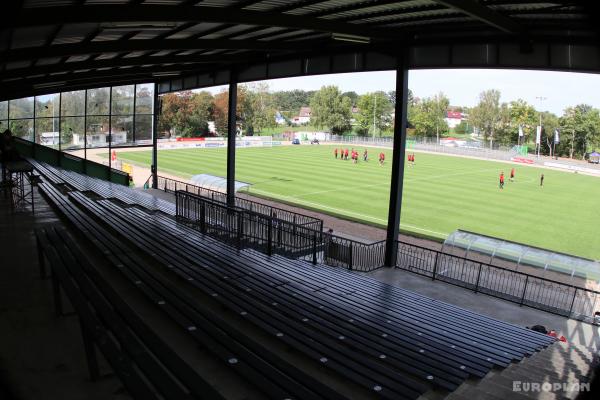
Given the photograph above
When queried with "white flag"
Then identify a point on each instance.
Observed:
(538, 135)
(520, 131)
(556, 136)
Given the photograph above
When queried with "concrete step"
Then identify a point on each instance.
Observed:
(560, 363)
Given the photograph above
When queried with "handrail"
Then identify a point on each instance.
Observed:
(275, 235)
(462, 258)
(295, 217)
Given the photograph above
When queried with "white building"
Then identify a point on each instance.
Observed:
(454, 118)
(50, 138)
(303, 116)
(99, 139)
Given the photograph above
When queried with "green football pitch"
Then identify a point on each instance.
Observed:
(441, 193)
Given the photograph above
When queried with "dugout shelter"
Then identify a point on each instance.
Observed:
(518, 254)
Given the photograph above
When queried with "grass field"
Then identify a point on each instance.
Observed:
(441, 193)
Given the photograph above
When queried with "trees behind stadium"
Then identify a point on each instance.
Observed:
(188, 114)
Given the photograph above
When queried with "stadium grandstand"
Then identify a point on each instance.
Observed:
(189, 291)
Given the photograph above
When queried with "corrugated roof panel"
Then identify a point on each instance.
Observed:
(48, 61)
(162, 53)
(17, 64)
(317, 35)
(74, 33)
(107, 36)
(194, 30)
(80, 58)
(398, 9)
(428, 22)
(217, 3)
(106, 56)
(186, 52)
(30, 37)
(101, 2)
(146, 35)
(46, 3)
(525, 5)
(270, 30)
(228, 31)
(268, 5)
(360, 6)
(287, 34)
(552, 17)
(135, 54)
(422, 16)
(163, 2)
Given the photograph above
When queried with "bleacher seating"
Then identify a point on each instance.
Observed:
(105, 189)
(390, 341)
(143, 361)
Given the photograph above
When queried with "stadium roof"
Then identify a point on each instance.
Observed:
(56, 45)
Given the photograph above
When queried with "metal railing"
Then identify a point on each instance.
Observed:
(515, 286)
(173, 185)
(248, 229)
(270, 235)
(351, 254)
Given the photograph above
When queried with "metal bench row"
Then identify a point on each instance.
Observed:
(108, 190)
(260, 366)
(340, 281)
(147, 366)
(262, 305)
(401, 339)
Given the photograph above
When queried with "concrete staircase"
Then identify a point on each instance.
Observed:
(560, 363)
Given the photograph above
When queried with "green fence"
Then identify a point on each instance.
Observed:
(70, 162)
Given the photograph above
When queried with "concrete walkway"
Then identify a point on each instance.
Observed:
(576, 332)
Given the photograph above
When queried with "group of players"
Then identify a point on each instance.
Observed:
(512, 178)
(343, 155)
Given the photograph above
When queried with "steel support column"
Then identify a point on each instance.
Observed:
(231, 134)
(400, 122)
(154, 166)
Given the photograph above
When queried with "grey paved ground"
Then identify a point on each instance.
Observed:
(575, 331)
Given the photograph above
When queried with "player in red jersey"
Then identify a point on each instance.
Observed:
(512, 175)
(335, 152)
(502, 180)
(346, 154)
(381, 158)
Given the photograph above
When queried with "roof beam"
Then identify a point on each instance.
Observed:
(79, 77)
(161, 13)
(91, 64)
(94, 48)
(484, 14)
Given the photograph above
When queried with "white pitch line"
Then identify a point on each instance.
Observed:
(341, 211)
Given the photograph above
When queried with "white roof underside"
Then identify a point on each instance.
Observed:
(522, 254)
(216, 183)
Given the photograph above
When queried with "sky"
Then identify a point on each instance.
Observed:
(462, 86)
